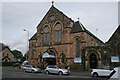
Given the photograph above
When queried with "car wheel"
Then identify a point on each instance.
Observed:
(60, 73)
(95, 75)
(46, 72)
(32, 71)
(24, 70)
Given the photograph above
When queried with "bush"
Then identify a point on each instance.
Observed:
(7, 63)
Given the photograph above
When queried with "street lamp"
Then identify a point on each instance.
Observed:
(27, 41)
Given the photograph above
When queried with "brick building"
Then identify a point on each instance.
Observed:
(64, 39)
(114, 44)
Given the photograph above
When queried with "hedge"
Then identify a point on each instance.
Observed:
(7, 63)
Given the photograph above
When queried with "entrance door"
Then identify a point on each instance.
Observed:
(93, 61)
(51, 61)
(49, 58)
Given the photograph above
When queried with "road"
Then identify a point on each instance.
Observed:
(15, 73)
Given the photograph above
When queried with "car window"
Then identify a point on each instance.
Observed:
(54, 67)
(99, 67)
(34, 66)
(49, 66)
(27, 65)
(104, 67)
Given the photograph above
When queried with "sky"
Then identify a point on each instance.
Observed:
(100, 18)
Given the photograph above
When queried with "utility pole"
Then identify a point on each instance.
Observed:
(27, 42)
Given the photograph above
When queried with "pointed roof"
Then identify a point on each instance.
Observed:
(78, 27)
(2, 46)
(53, 9)
(34, 37)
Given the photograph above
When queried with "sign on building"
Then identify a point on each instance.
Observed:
(47, 55)
(77, 60)
(115, 59)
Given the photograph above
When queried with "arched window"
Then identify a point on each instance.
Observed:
(58, 33)
(77, 47)
(33, 53)
(46, 35)
(63, 57)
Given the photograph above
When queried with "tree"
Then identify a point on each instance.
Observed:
(17, 54)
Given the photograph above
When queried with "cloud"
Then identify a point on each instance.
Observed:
(119, 13)
(59, 0)
(94, 15)
(0, 22)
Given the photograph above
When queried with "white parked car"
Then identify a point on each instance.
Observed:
(31, 68)
(23, 64)
(102, 71)
(116, 76)
(56, 70)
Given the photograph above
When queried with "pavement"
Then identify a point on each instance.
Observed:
(14, 73)
(11, 71)
(77, 73)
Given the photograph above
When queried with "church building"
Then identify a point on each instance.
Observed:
(61, 41)
(114, 44)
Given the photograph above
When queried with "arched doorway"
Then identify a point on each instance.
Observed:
(49, 57)
(93, 61)
(51, 60)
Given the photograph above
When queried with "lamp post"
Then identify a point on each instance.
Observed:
(27, 41)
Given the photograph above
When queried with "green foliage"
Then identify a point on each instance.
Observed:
(23, 59)
(17, 54)
(7, 63)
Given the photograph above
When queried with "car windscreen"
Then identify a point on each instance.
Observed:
(104, 67)
(34, 66)
(53, 66)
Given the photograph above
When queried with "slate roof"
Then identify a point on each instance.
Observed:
(78, 27)
(3, 46)
(53, 9)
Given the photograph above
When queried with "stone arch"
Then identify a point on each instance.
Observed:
(92, 56)
(74, 39)
(93, 62)
(58, 31)
(46, 35)
(57, 23)
(92, 51)
(53, 50)
(42, 28)
(52, 59)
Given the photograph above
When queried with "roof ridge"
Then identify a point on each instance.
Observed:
(33, 37)
(83, 28)
(57, 10)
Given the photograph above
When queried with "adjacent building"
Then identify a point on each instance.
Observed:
(6, 53)
(114, 44)
(65, 42)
